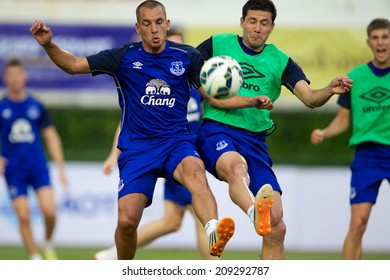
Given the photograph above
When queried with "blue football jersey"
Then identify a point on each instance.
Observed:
(20, 127)
(153, 89)
(194, 111)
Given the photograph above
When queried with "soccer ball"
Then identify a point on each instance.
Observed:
(221, 76)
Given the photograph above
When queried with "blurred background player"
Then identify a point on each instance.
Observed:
(366, 106)
(177, 198)
(241, 158)
(23, 161)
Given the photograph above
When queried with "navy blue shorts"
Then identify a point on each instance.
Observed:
(141, 166)
(20, 179)
(370, 167)
(214, 139)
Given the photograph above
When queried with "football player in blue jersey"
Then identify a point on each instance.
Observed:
(153, 78)
(23, 123)
(177, 198)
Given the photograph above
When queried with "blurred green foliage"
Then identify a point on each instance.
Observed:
(290, 143)
(87, 135)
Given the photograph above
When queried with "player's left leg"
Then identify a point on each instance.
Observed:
(360, 213)
(232, 168)
(47, 204)
(190, 172)
(262, 211)
(273, 243)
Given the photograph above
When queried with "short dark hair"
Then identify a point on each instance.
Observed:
(149, 4)
(14, 62)
(378, 23)
(262, 5)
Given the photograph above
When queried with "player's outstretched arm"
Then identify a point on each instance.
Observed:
(259, 102)
(338, 125)
(313, 98)
(63, 59)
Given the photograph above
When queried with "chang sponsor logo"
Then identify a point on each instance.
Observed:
(21, 132)
(158, 93)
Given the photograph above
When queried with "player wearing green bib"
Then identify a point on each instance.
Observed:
(367, 107)
(232, 141)
(273, 62)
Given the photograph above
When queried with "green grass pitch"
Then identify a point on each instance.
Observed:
(19, 253)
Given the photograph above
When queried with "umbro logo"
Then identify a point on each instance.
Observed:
(137, 65)
(377, 95)
(250, 71)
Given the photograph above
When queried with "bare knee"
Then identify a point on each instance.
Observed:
(24, 219)
(197, 182)
(358, 227)
(127, 224)
(278, 231)
(237, 170)
(172, 224)
(49, 215)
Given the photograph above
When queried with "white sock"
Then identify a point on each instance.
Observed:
(251, 212)
(47, 245)
(112, 253)
(211, 226)
(36, 257)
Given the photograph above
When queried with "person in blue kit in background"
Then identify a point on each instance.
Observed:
(177, 199)
(153, 79)
(24, 121)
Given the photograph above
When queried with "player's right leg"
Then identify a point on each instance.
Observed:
(130, 209)
(22, 210)
(352, 247)
(170, 222)
(273, 243)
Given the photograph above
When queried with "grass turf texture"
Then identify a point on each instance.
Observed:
(19, 253)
